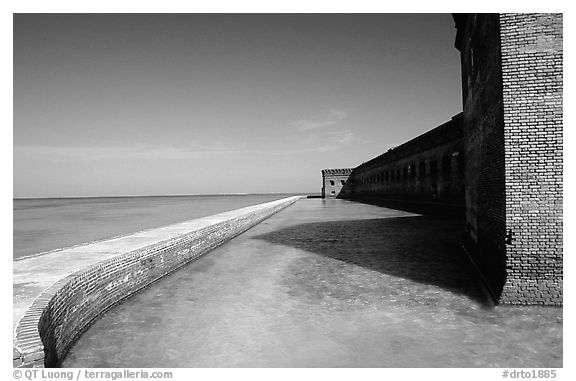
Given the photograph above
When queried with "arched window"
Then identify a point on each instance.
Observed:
(422, 169)
(460, 162)
(446, 164)
(332, 182)
(433, 170)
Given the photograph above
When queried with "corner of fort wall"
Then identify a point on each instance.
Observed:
(512, 98)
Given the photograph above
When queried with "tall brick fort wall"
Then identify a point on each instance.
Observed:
(532, 93)
(501, 158)
(478, 39)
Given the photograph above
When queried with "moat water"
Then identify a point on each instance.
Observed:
(325, 283)
(46, 224)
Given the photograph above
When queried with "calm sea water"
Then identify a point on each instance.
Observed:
(325, 283)
(42, 225)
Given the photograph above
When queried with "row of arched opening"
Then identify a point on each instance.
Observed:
(447, 168)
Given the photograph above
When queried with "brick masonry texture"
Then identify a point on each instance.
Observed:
(532, 72)
(512, 97)
(65, 310)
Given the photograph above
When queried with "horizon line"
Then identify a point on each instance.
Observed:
(162, 195)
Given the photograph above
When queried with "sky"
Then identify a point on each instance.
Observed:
(156, 104)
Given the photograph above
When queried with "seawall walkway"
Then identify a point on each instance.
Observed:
(57, 295)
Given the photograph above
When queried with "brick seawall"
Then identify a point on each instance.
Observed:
(104, 274)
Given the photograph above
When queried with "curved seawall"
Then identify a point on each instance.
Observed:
(64, 292)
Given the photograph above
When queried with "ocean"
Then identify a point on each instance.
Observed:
(42, 225)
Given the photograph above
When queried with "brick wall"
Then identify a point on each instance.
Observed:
(62, 312)
(532, 67)
(485, 226)
(335, 182)
(512, 98)
(428, 168)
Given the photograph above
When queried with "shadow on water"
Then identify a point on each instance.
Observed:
(424, 249)
(490, 260)
(429, 208)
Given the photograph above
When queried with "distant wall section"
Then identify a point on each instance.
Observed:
(427, 168)
(335, 183)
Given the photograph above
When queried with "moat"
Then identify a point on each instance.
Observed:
(325, 283)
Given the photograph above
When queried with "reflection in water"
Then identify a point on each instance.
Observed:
(325, 284)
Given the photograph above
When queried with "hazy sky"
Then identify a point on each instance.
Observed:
(196, 104)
